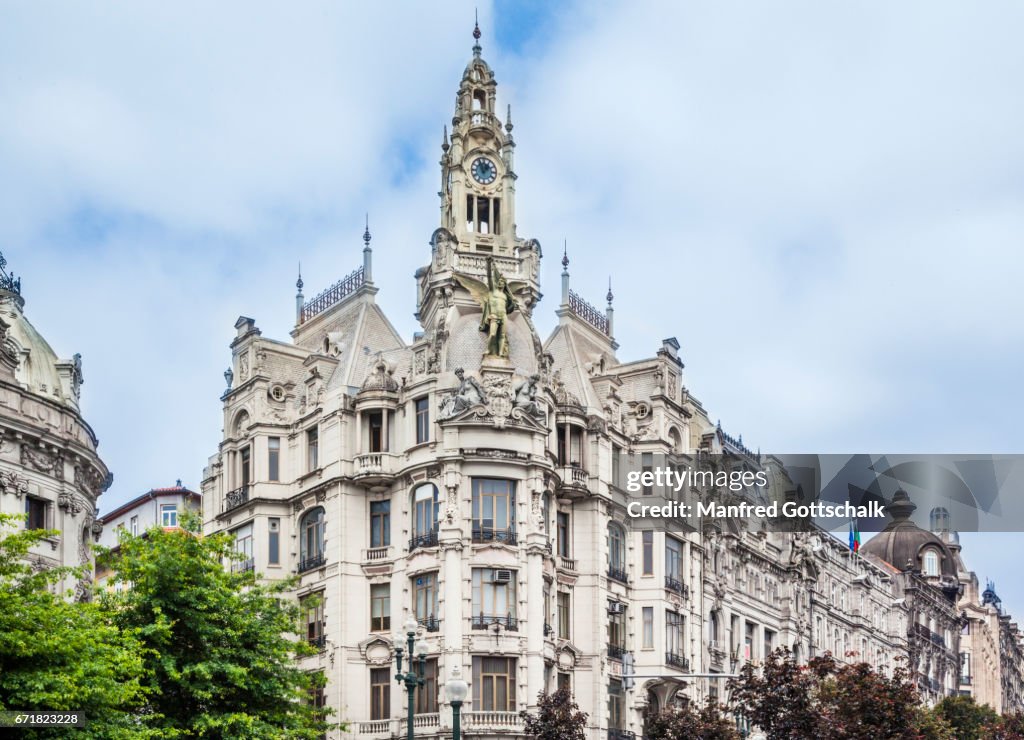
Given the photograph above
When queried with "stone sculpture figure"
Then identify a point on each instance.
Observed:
(497, 300)
(526, 397)
(468, 394)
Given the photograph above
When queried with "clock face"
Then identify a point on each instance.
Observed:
(484, 170)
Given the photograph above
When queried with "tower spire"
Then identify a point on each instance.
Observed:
(299, 300)
(367, 254)
(476, 33)
(444, 139)
(609, 312)
(565, 273)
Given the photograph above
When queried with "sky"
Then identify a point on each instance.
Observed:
(820, 200)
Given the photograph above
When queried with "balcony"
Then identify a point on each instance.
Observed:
(377, 554)
(618, 574)
(243, 566)
(568, 564)
(427, 722)
(234, 499)
(489, 534)
(312, 561)
(319, 642)
(574, 480)
(614, 734)
(494, 720)
(375, 469)
(423, 540)
(430, 624)
(615, 652)
(677, 586)
(507, 621)
(677, 661)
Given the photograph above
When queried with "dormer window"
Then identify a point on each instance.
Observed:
(931, 563)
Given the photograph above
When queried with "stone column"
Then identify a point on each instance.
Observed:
(535, 616)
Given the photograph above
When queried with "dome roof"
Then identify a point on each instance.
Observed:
(38, 369)
(904, 545)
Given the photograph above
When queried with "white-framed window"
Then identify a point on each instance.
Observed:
(931, 563)
(134, 526)
(168, 515)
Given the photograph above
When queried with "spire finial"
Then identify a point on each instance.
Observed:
(444, 139)
(609, 296)
(565, 255)
(299, 283)
(366, 234)
(476, 33)
(508, 119)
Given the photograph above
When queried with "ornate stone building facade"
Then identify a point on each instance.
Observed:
(49, 467)
(472, 478)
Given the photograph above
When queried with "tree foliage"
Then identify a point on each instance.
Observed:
(969, 720)
(58, 655)
(557, 718)
(219, 657)
(687, 723)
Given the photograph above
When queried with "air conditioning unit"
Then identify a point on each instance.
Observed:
(616, 607)
(502, 576)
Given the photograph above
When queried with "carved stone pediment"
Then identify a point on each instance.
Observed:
(376, 650)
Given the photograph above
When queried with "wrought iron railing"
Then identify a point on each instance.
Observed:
(243, 566)
(614, 734)
(319, 642)
(616, 652)
(677, 660)
(337, 292)
(423, 540)
(234, 499)
(588, 313)
(312, 561)
(8, 281)
(489, 534)
(673, 584)
(483, 621)
(548, 630)
(430, 624)
(618, 574)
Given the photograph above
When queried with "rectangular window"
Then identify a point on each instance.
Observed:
(317, 695)
(135, 526)
(274, 458)
(616, 465)
(422, 420)
(673, 563)
(36, 510)
(564, 681)
(617, 626)
(312, 448)
(494, 684)
(647, 466)
(380, 693)
(375, 428)
(243, 545)
(769, 644)
(245, 466)
(312, 608)
(424, 599)
(380, 607)
(570, 447)
(648, 540)
(563, 615)
(563, 534)
(168, 515)
(494, 598)
(494, 505)
(426, 695)
(675, 634)
(615, 704)
(273, 541)
(380, 523)
(748, 642)
(648, 615)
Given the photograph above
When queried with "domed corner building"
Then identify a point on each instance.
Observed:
(49, 467)
(927, 579)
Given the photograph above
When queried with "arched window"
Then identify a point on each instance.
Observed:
(424, 516)
(617, 552)
(931, 563)
(311, 539)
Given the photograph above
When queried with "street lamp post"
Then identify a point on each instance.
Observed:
(456, 689)
(413, 679)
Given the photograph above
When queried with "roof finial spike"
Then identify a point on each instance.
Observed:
(299, 283)
(444, 139)
(476, 33)
(366, 234)
(508, 119)
(610, 297)
(565, 255)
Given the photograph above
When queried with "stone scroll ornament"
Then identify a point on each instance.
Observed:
(497, 301)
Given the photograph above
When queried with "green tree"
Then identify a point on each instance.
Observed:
(969, 719)
(220, 646)
(557, 718)
(60, 655)
(687, 723)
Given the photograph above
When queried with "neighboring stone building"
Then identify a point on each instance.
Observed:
(157, 507)
(473, 479)
(50, 470)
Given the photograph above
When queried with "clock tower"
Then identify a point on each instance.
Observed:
(477, 237)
